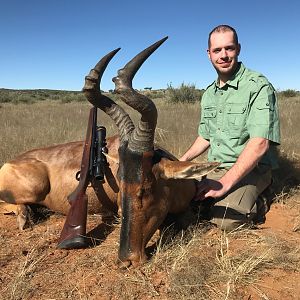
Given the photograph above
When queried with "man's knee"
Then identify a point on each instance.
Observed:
(228, 224)
(228, 218)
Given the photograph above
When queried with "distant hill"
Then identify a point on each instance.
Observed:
(181, 94)
(34, 95)
(30, 96)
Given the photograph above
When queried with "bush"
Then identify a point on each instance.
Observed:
(15, 97)
(153, 94)
(70, 97)
(289, 93)
(184, 94)
(23, 98)
(5, 96)
(31, 96)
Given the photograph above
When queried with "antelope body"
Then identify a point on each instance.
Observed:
(47, 176)
(143, 183)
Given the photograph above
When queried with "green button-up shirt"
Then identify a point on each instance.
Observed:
(245, 107)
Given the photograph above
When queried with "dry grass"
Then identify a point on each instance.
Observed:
(20, 287)
(24, 126)
(45, 123)
(200, 263)
(197, 265)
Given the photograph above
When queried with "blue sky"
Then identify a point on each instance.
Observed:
(53, 44)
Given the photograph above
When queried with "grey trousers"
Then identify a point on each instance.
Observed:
(239, 205)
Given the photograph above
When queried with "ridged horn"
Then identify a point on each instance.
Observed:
(143, 136)
(93, 94)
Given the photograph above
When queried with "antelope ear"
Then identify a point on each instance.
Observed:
(114, 159)
(185, 169)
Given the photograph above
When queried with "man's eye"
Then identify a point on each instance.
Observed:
(230, 48)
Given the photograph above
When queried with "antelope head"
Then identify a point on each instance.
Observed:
(144, 195)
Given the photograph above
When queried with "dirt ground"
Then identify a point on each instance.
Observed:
(31, 267)
(278, 283)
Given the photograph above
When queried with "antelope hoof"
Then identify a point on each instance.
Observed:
(23, 213)
(124, 265)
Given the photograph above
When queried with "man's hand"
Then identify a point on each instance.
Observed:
(250, 156)
(210, 188)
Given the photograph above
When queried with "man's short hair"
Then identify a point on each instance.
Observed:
(223, 28)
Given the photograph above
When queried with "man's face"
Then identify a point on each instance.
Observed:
(223, 53)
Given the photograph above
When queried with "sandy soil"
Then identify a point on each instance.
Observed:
(32, 268)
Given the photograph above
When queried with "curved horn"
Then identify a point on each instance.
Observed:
(143, 136)
(93, 94)
(125, 75)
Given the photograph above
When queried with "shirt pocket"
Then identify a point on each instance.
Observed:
(263, 112)
(209, 118)
(235, 119)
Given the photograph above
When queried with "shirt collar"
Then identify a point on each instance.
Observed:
(234, 80)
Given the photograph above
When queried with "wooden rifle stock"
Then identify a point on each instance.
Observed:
(73, 234)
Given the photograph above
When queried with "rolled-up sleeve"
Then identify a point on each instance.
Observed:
(263, 120)
(203, 127)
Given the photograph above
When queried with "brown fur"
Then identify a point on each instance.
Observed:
(47, 176)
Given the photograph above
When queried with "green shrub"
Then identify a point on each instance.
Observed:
(23, 98)
(5, 96)
(186, 93)
(153, 94)
(288, 93)
(77, 97)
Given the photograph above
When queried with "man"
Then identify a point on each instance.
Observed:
(240, 127)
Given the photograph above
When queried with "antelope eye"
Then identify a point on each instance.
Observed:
(140, 193)
(144, 192)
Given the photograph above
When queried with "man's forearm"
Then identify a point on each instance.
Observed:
(198, 147)
(248, 159)
(253, 152)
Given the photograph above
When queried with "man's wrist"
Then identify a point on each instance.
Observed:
(183, 158)
(226, 182)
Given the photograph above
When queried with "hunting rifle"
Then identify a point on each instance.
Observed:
(92, 169)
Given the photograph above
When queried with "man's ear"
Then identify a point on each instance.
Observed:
(185, 169)
(208, 53)
(239, 49)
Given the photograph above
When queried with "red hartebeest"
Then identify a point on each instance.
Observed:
(144, 182)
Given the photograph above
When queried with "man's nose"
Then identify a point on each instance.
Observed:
(224, 53)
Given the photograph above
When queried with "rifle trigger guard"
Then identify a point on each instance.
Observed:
(77, 176)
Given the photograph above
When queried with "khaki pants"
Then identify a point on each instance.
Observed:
(239, 205)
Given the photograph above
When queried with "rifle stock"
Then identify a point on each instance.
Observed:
(73, 234)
